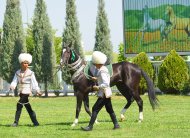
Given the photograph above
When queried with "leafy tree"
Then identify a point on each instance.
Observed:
(173, 73)
(121, 56)
(1, 31)
(71, 34)
(13, 40)
(102, 36)
(29, 40)
(44, 51)
(58, 48)
(143, 62)
(30, 44)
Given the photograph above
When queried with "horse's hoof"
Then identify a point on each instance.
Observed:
(140, 121)
(73, 125)
(122, 117)
(97, 122)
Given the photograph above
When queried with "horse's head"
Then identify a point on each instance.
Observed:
(146, 14)
(169, 11)
(65, 55)
(68, 56)
(145, 8)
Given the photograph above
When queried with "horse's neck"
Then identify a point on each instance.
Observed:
(76, 64)
(77, 67)
(172, 15)
(147, 18)
(75, 61)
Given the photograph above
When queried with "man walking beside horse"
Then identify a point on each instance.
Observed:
(104, 91)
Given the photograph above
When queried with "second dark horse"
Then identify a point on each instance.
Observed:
(126, 76)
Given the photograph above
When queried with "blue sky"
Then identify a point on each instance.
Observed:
(139, 4)
(86, 13)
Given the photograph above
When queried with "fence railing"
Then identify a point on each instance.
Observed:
(68, 89)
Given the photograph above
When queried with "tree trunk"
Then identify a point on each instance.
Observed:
(46, 92)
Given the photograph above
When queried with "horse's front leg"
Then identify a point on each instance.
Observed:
(163, 33)
(79, 98)
(142, 38)
(86, 105)
(169, 28)
(187, 30)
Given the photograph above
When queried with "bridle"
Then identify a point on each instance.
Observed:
(64, 55)
(69, 58)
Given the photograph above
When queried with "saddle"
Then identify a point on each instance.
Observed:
(88, 73)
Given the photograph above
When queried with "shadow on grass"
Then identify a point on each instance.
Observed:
(78, 127)
(10, 125)
(65, 123)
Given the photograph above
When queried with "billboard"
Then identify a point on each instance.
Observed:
(156, 26)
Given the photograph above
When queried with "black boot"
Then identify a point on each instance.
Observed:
(17, 116)
(91, 123)
(114, 120)
(33, 118)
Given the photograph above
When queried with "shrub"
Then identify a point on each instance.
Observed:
(121, 56)
(173, 74)
(143, 62)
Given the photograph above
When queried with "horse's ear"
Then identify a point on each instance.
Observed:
(64, 45)
(70, 44)
(68, 48)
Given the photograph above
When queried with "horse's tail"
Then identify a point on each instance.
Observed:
(151, 91)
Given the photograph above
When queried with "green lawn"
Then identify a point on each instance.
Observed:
(56, 115)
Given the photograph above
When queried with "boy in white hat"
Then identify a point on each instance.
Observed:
(26, 81)
(104, 91)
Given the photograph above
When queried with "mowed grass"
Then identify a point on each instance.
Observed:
(55, 115)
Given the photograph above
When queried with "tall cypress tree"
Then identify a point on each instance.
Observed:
(0, 34)
(44, 63)
(13, 40)
(71, 34)
(29, 39)
(102, 36)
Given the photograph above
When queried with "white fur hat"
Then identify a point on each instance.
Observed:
(25, 57)
(98, 57)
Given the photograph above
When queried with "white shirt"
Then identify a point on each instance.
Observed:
(103, 77)
(27, 82)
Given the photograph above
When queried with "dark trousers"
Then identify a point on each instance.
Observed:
(95, 110)
(100, 103)
(24, 101)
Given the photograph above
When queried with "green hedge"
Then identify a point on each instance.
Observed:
(143, 62)
(173, 74)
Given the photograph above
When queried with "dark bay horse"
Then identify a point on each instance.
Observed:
(126, 76)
